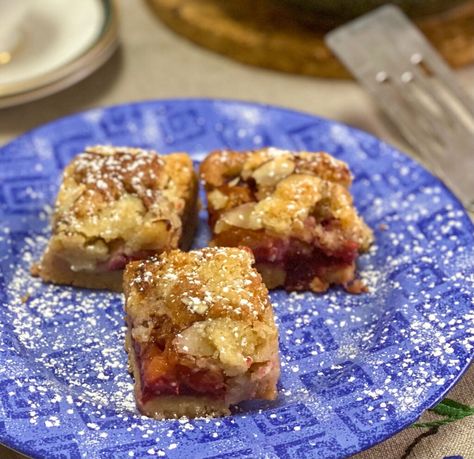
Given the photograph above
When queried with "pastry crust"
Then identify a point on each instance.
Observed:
(116, 204)
(294, 210)
(171, 406)
(201, 333)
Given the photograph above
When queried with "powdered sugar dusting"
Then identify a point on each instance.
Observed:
(61, 327)
(206, 280)
(354, 368)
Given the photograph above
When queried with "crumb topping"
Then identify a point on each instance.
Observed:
(111, 172)
(286, 194)
(208, 304)
(107, 193)
(222, 165)
(190, 286)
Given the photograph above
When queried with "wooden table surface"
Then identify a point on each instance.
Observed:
(152, 62)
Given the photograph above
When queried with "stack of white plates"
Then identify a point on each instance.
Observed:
(48, 45)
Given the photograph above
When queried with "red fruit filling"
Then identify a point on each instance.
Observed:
(163, 374)
(119, 259)
(300, 261)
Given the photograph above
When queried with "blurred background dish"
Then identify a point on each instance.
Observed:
(343, 10)
(49, 45)
(10, 31)
(281, 35)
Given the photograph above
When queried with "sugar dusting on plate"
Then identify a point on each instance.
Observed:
(354, 368)
(71, 342)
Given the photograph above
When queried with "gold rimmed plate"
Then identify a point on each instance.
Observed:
(59, 43)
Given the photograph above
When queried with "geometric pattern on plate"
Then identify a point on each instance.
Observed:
(63, 371)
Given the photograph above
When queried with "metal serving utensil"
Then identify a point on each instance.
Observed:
(393, 60)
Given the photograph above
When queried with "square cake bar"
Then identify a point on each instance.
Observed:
(294, 211)
(201, 333)
(117, 204)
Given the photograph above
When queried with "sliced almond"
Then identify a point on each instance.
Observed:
(194, 341)
(272, 172)
(242, 217)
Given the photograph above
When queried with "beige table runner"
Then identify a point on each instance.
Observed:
(154, 63)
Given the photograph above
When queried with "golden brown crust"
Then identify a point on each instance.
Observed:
(278, 191)
(117, 203)
(193, 286)
(55, 270)
(220, 166)
(204, 312)
(291, 209)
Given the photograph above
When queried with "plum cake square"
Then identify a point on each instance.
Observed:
(201, 333)
(117, 204)
(294, 211)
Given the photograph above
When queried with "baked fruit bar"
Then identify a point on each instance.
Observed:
(294, 211)
(117, 204)
(201, 334)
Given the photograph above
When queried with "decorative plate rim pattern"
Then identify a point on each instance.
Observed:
(184, 123)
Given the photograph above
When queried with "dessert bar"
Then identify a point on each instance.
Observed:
(114, 205)
(294, 210)
(201, 333)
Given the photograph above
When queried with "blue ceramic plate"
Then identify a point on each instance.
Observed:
(356, 369)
